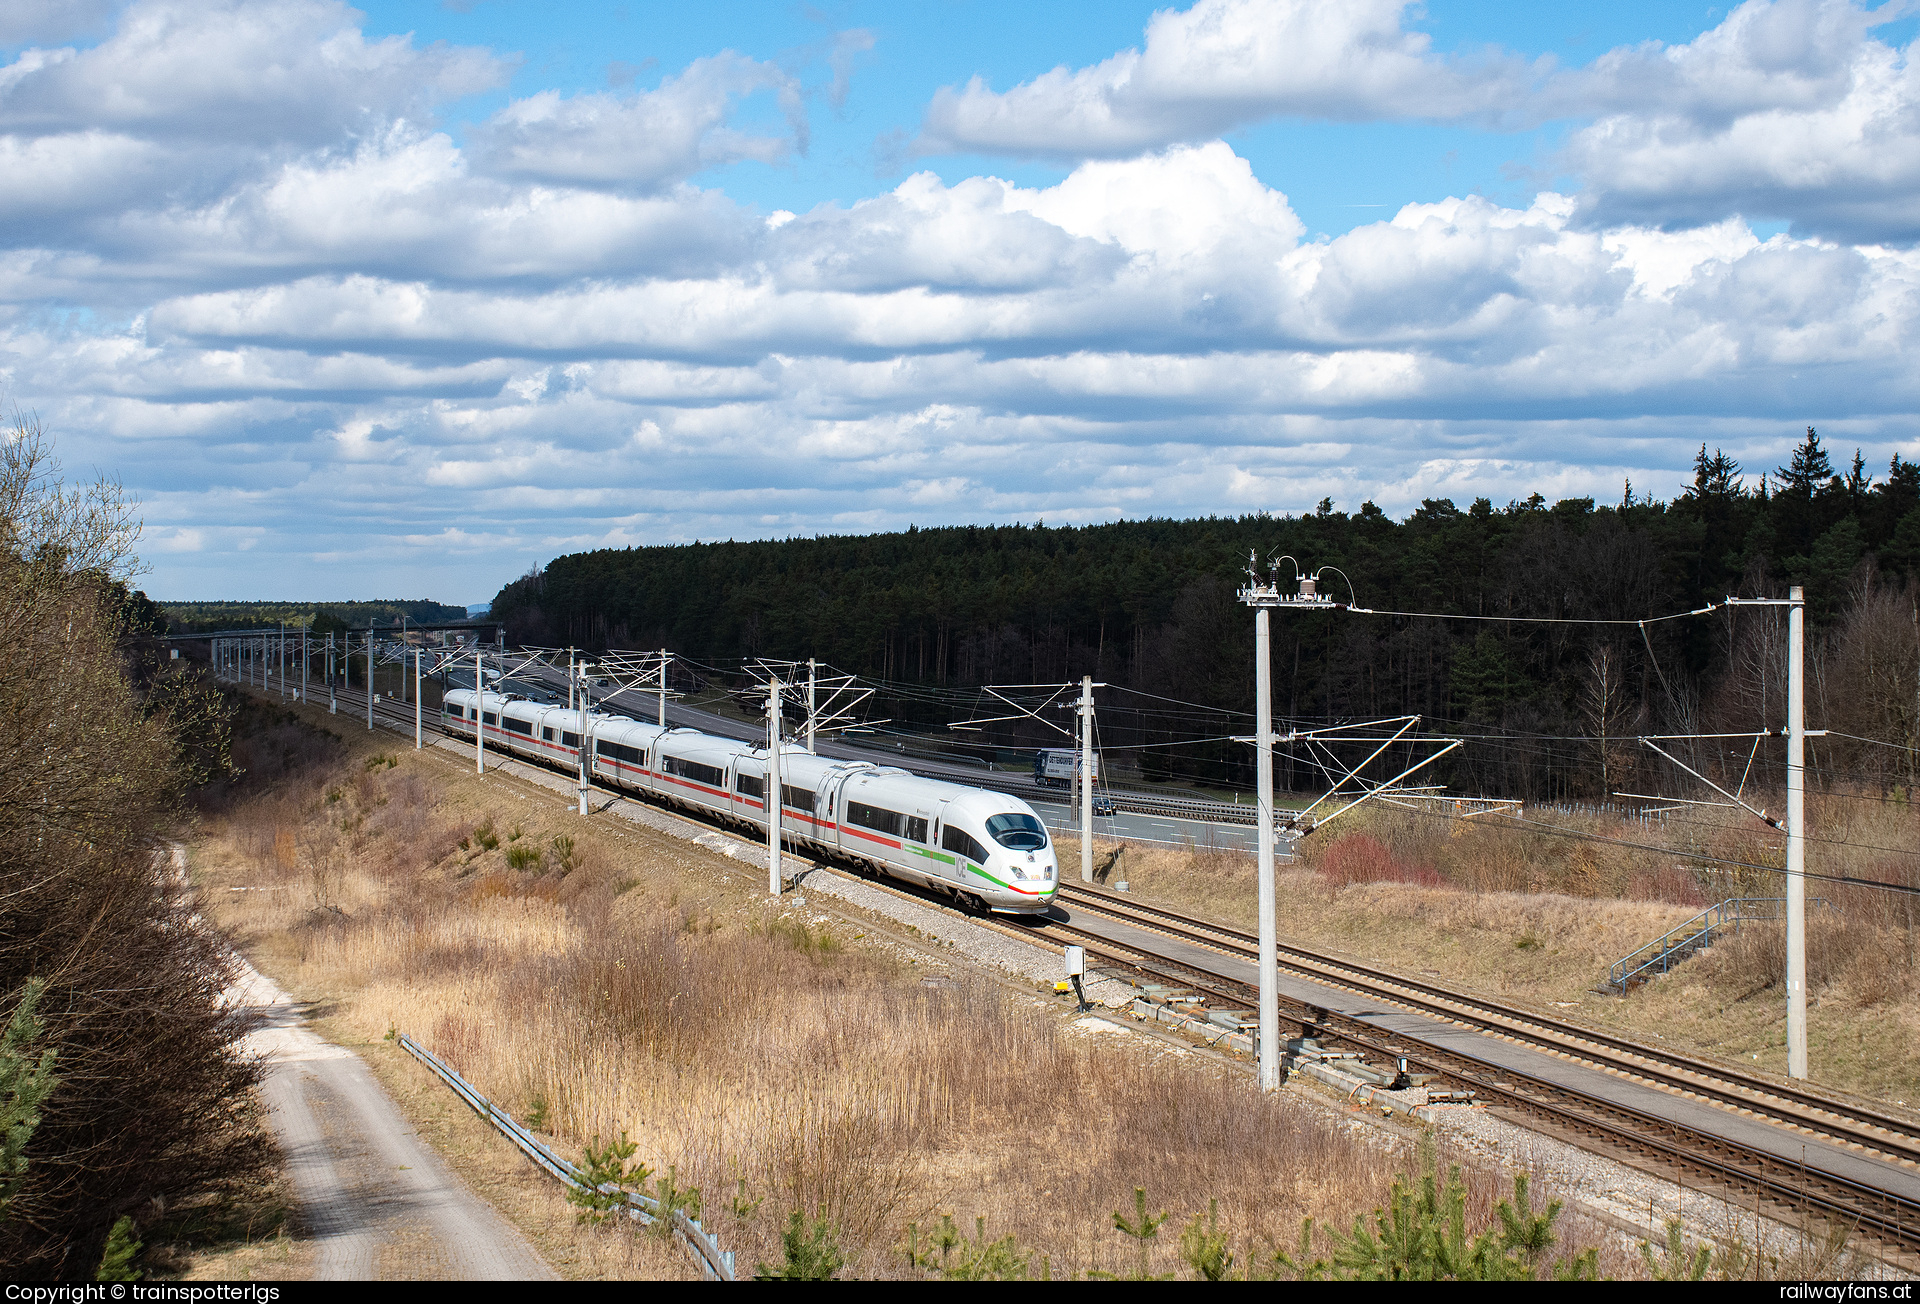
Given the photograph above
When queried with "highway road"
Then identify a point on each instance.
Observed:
(1135, 826)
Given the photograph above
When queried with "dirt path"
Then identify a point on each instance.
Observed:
(377, 1201)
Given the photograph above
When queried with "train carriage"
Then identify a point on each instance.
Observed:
(986, 850)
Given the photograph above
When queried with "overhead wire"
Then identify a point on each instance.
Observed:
(1693, 855)
(1536, 620)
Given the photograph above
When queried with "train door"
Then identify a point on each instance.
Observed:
(829, 806)
(919, 843)
(747, 793)
(948, 865)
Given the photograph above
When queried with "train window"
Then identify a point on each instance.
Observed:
(569, 739)
(491, 718)
(872, 817)
(917, 828)
(748, 786)
(1020, 832)
(708, 774)
(620, 752)
(796, 798)
(961, 843)
(520, 726)
(546, 735)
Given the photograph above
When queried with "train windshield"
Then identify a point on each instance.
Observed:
(1020, 832)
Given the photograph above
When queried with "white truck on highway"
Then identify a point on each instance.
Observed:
(1059, 767)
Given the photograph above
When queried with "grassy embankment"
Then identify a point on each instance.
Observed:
(596, 977)
(1539, 918)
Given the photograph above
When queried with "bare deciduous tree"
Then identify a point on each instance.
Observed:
(154, 1102)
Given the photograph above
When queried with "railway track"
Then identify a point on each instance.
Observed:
(1633, 1134)
(1889, 1217)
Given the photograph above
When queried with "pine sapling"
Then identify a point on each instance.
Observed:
(670, 1198)
(1205, 1247)
(604, 1178)
(1143, 1228)
(1676, 1262)
(117, 1263)
(810, 1255)
(25, 1084)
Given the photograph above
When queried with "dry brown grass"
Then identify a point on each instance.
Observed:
(630, 982)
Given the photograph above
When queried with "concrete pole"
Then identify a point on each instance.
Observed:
(1796, 836)
(369, 676)
(479, 717)
(772, 799)
(663, 688)
(812, 679)
(586, 738)
(572, 674)
(282, 659)
(1263, 747)
(306, 659)
(419, 711)
(1086, 779)
(333, 701)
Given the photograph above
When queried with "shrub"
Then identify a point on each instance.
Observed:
(1361, 858)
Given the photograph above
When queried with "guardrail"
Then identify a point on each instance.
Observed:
(715, 1262)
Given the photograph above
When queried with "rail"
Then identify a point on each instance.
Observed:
(715, 1262)
(1677, 943)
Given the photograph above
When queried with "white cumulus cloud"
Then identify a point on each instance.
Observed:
(1220, 65)
(646, 141)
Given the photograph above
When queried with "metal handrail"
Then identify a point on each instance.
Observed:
(714, 1261)
(1699, 933)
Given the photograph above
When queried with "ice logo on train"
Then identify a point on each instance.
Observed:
(986, 850)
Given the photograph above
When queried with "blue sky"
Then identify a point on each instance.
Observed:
(414, 296)
(1338, 175)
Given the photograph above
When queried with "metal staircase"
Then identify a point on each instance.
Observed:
(1696, 934)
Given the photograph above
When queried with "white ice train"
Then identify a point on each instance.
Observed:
(986, 850)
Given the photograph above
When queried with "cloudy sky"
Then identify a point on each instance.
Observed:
(406, 299)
